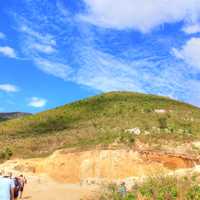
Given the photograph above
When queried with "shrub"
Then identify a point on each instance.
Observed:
(147, 110)
(167, 192)
(112, 194)
(193, 193)
(161, 188)
(146, 191)
(162, 122)
(130, 197)
(5, 154)
(127, 138)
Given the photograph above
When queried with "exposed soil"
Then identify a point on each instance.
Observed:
(71, 166)
(170, 160)
(75, 175)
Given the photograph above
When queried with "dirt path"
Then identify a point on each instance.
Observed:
(41, 188)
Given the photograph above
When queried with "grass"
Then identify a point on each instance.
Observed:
(158, 188)
(101, 120)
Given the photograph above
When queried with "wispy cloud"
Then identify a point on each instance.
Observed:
(43, 38)
(8, 51)
(9, 88)
(163, 76)
(36, 42)
(37, 102)
(57, 69)
(105, 72)
(43, 48)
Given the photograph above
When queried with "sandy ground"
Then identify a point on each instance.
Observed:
(44, 188)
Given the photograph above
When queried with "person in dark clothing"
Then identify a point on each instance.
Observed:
(23, 181)
(17, 187)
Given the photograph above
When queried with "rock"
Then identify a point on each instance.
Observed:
(146, 133)
(196, 144)
(135, 131)
(160, 111)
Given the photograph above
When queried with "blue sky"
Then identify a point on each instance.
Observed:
(56, 51)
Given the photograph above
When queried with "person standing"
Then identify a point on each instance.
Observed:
(23, 181)
(17, 187)
(7, 187)
(122, 190)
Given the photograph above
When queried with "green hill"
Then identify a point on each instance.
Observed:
(101, 120)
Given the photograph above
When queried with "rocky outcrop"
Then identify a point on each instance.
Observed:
(170, 160)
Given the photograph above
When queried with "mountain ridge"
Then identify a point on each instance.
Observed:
(12, 115)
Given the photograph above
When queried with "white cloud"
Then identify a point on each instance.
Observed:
(142, 15)
(191, 29)
(8, 88)
(35, 42)
(43, 48)
(37, 102)
(8, 51)
(57, 69)
(105, 72)
(2, 35)
(45, 38)
(190, 52)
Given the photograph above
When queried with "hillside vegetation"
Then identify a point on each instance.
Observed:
(102, 119)
(159, 188)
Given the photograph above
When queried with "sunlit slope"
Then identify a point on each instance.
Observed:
(101, 119)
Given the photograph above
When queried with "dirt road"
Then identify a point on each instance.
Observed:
(43, 188)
